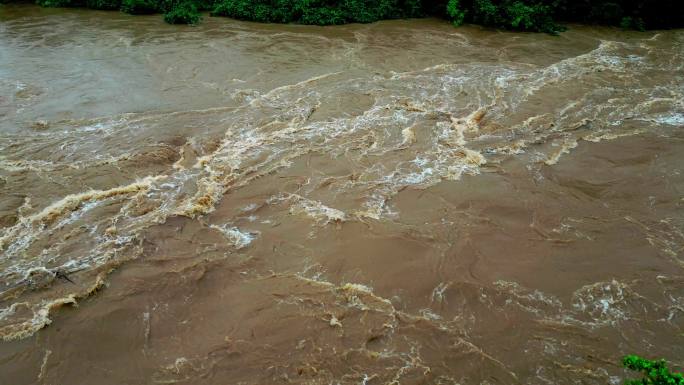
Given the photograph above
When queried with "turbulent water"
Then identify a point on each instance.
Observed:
(396, 203)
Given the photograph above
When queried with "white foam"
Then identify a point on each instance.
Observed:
(675, 119)
(240, 239)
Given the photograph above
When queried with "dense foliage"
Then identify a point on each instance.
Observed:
(511, 14)
(523, 15)
(321, 12)
(185, 12)
(175, 11)
(544, 15)
(654, 372)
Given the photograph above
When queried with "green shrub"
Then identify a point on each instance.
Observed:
(183, 13)
(60, 3)
(140, 7)
(629, 22)
(323, 16)
(104, 4)
(654, 372)
(515, 14)
(531, 17)
(319, 12)
(413, 8)
(276, 11)
(455, 13)
(638, 14)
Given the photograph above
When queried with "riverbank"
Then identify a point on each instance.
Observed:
(519, 15)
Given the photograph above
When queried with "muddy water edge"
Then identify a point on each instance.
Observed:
(395, 203)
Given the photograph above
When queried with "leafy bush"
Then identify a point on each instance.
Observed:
(277, 11)
(530, 17)
(543, 15)
(521, 15)
(103, 4)
(629, 22)
(455, 13)
(140, 7)
(183, 13)
(60, 3)
(324, 16)
(320, 12)
(639, 14)
(654, 372)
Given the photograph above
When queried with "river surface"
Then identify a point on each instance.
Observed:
(402, 202)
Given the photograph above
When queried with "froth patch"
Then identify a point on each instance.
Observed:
(240, 239)
(67, 205)
(472, 157)
(564, 148)
(23, 327)
(318, 211)
(39, 320)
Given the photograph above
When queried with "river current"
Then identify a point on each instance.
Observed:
(402, 202)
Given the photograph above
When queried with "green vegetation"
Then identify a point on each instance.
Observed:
(139, 7)
(319, 12)
(183, 13)
(510, 14)
(654, 372)
(174, 11)
(520, 15)
(455, 12)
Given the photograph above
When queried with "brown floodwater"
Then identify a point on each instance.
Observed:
(402, 202)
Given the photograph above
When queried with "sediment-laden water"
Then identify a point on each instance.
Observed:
(395, 203)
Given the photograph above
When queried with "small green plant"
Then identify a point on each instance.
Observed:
(139, 7)
(319, 12)
(59, 3)
(455, 12)
(183, 13)
(655, 372)
(103, 4)
(628, 22)
(521, 15)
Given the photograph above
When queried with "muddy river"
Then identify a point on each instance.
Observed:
(402, 202)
